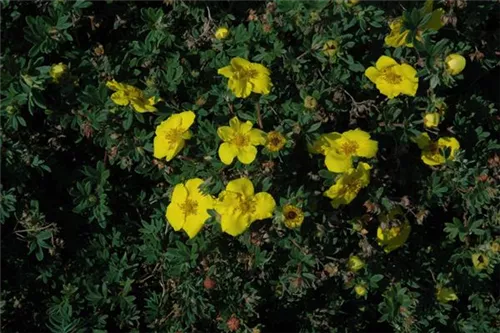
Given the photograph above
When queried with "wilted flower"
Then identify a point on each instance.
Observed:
(57, 71)
(310, 103)
(393, 79)
(480, 261)
(431, 119)
(330, 48)
(349, 184)
(360, 290)
(355, 263)
(394, 230)
(445, 295)
(245, 77)
(126, 94)
(455, 64)
(221, 33)
(238, 206)
(188, 207)
(397, 36)
(275, 141)
(171, 135)
(342, 147)
(433, 153)
(293, 216)
(240, 140)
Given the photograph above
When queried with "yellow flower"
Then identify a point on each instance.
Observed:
(393, 237)
(275, 141)
(245, 77)
(355, 263)
(360, 290)
(126, 94)
(349, 184)
(238, 206)
(188, 208)
(171, 135)
(431, 119)
(57, 71)
(397, 36)
(393, 79)
(330, 48)
(480, 261)
(294, 216)
(445, 295)
(222, 33)
(240, 140)
(310, 103)
(433, 152)
(342, 147)
(455, 64)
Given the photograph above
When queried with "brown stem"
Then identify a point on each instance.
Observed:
(259, 117)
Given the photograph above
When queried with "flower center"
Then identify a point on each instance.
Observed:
(189, 207)
(275, 141)
(480, 259)
(349, 147)
(351, 188)
(246, 74)
(291, 215)
(241, 140)
(247, 206)
(174, 135)
(392, 77)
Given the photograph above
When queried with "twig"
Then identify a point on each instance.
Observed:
(259, 117)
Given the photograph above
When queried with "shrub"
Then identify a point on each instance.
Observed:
(328, 166)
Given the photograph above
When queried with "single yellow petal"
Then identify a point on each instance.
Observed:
(175, 216)
(174, 149)
(187, 119)
(225, 133)
(193, 186)
(409, 72)
(384, 62)
(187, 135)
(387, 89)
(257, 137)
(226, 71)
(423, 140)
(160, 147)
(194, 223)
(172, 122)
(408, 88)
(265, 204)
(114, 85)
(242, 186)
(236, 224)
(336, 162)
(235, 123)
(180, 193)
(372, 74)
(247, 154)
(432, 159)
(245, 127)
(240, 63)
(227, 153)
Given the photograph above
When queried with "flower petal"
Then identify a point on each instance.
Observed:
(225, 133)
(187, 119)
(265, 204)
(336, 162)
(194, 223)
(384, 62)
(227, 152)
(243, 186)
(235, 224)
(175, 216)
(246, 155)
(372, 74)
(226, 71)
(257, 137)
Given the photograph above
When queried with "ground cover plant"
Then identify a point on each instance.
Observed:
(280, 166)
